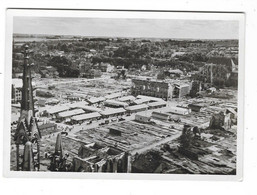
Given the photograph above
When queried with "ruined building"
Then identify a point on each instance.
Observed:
(187, 141)
(161, 89)
(158, 89)
(96, 158)
(217, 120)
(223, 120)
(196, 88)
(233, 78)
(219, 75)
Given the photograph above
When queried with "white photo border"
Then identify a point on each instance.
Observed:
(11, 13)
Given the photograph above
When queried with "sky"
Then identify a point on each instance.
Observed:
(119, 27)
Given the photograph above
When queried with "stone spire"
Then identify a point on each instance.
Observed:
(27, 132)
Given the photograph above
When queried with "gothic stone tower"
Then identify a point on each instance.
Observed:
(27, 134)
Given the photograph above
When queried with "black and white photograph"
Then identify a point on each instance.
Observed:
(138, 93)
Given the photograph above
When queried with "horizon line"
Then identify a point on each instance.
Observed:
(126, 37)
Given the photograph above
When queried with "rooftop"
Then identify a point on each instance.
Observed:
(127, 98)
(94, 100)
(141, 101)
(113, 111)
(157, 104)
(144, 114)
(136, 107)
(92, 109)
(150, 98)
(161, 113)
(80, 104)
(175, 108)
(71, 113)
(113, 95)
(86, 116)
(57, 109)
(116, 103)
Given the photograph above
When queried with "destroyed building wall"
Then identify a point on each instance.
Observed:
(219, 75)
(217, 120)
(195, 107)
(161, 89)
(233, 79)
(146, 163)
(115, 164)
(195, 89)
(227, 121)
(184, 90)
(151, 88)
(221, 120)
(85, 151)
(180, 90)
(233, 113)
(80, 165)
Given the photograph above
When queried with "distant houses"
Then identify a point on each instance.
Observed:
(48, 72)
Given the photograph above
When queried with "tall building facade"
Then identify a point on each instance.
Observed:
(16, 90)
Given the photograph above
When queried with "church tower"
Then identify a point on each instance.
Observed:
(27, 135)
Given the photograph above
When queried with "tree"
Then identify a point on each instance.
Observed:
(64, 66)
(161, 75)
(64, 48)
